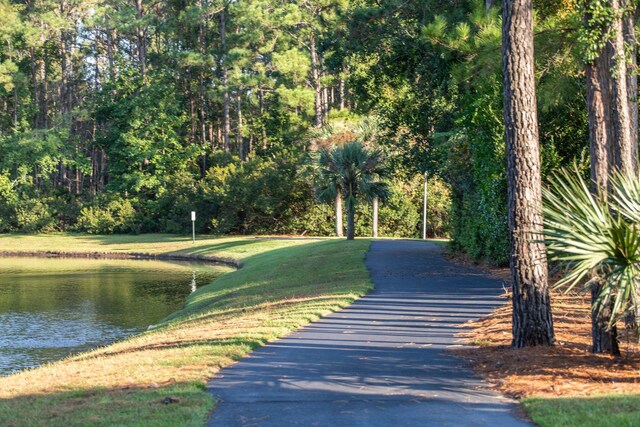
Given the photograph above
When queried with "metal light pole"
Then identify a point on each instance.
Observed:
(424, 210)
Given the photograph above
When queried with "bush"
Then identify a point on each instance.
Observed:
(33, 216)
(115, 216)
(256, 196)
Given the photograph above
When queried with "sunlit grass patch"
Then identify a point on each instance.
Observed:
(613, 410)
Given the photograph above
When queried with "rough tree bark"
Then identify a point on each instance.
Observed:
(598, 83)
(623, 147)
(263, 130)
(351, 225)
(600, 132)
(532, 321)
(110, 37)
(630, 48)
(631, 41)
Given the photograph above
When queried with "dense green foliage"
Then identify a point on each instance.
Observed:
(124, 116)
(432, 73)
(121, 117)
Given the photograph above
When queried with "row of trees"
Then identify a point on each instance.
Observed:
(120, 90)
(609, 43)
(122, 115)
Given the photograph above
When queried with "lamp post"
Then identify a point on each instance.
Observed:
(424, 210)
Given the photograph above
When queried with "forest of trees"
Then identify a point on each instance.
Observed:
(124, 115)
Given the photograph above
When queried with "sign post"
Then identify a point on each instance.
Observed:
(193, 225)
(424, 212)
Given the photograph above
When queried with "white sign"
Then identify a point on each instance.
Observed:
(193, 215)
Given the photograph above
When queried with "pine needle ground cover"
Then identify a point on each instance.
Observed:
(563, 385)
(158, 378)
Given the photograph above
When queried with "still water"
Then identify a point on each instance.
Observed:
(54, 307)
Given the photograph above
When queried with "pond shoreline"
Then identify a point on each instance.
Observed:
(124, 255)
(97, 311)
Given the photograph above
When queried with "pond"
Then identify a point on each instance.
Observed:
(51, 308)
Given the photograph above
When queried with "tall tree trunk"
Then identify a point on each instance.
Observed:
(63, 73)
(604, 340)
(342, 94)
(239, 138)
(110, 52)
(600, 131)
(532, 321)
(351, 213)
(203, 106)
(263, 131)
(339, 225)
(226, 122)
(318, 120)
(601, 142)
(623, 149)
(141, 38)
(325, 101)
(34, 82)
(44, 94)
(375, 217)
(202, 44)
(631, 41)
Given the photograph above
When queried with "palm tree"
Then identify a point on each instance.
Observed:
(356, 172)
(366, 131)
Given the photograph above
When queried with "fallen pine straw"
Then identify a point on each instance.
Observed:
(566, 369)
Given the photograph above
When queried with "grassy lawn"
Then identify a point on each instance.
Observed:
(614, 410)
(284, 283)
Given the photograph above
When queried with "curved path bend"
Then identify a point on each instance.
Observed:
(379, 362)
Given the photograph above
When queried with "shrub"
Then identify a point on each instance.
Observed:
(33, 216)
(115, 216)
(596, 239)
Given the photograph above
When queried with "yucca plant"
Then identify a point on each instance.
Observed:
(626, 195)
(596, 239)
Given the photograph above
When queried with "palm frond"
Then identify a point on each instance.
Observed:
(595, 238)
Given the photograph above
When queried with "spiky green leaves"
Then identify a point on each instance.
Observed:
(596, 239)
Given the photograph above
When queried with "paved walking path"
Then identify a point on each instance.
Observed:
(379, 362)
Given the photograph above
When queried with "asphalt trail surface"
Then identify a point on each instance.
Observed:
(383, 361)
